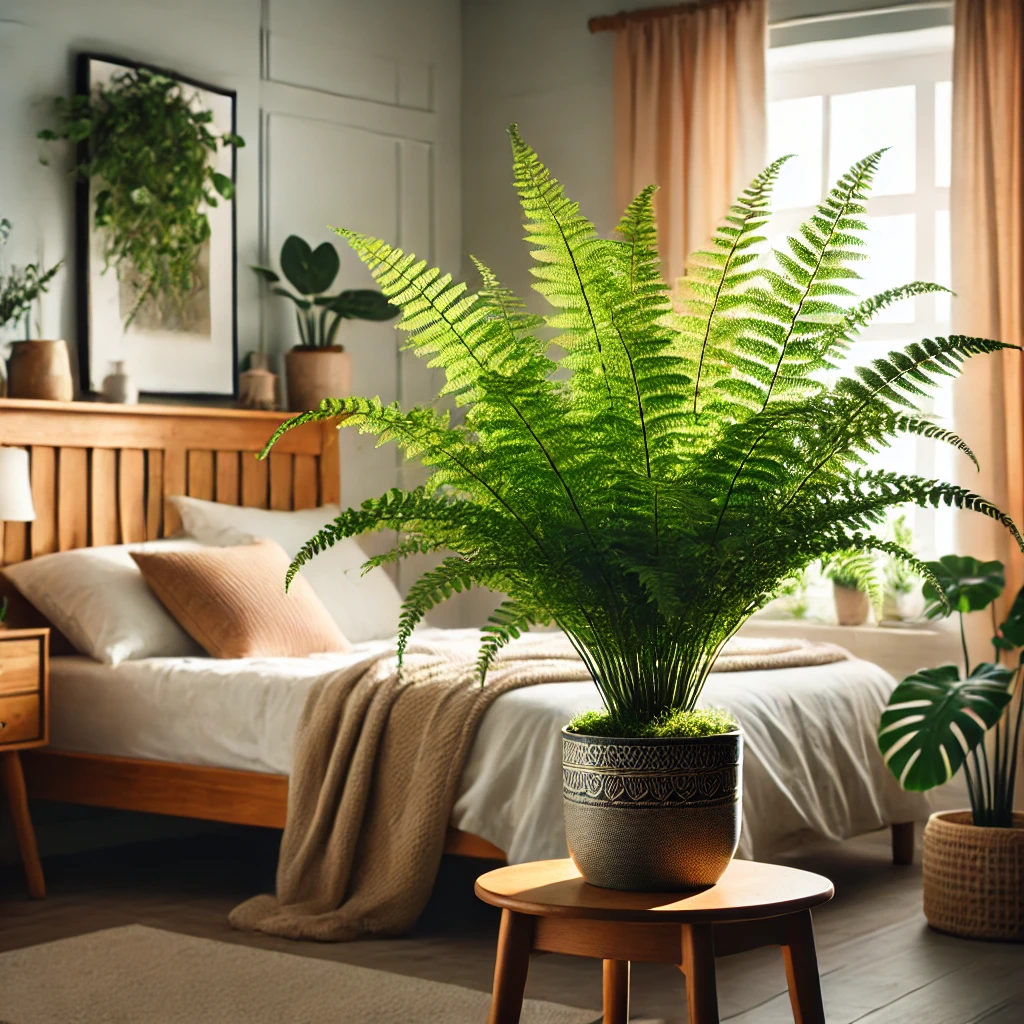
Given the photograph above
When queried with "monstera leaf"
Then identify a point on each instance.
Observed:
(934, 720)
(359, 304)
(310, 271)
(1011, 632)
(969, 585)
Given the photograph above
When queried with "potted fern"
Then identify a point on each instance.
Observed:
(646, 479)
(854, 586)
(317, 368)
(938, 722)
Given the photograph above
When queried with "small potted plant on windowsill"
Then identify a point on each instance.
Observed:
(938, 722)
(855, 586)
(317, 368)
(646, 479)
(899, 600)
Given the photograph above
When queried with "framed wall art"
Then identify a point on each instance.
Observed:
(172, 345)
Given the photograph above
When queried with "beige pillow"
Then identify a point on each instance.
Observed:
(232, 601)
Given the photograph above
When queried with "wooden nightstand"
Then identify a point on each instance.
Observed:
(24, 723)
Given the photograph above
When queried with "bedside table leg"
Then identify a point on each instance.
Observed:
(616, 992)
(14, 782)
(515, 943)
(699, 967)
(802, 970)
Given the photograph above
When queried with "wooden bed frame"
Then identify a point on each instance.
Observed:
(102, 474)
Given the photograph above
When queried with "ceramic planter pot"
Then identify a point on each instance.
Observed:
(974, 877)
(852, 606)
(40, 369)
(315, 374)
(652, 814)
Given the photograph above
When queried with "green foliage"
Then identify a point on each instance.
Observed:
(21, 286)
(149, 149)
(961, 584)
(856, 570)
(696, 722)
(934, 720)
(648, 478)
(311, 272)
(935, 723)
(898, 578)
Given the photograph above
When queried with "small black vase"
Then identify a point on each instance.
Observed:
(652, 814)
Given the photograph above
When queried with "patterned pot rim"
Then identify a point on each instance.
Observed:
(961, 821)
(736, 733)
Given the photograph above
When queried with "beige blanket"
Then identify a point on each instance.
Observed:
(378, 759)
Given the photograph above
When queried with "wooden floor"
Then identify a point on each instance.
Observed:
(880, 963)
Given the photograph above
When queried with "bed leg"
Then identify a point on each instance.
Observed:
(903, 842)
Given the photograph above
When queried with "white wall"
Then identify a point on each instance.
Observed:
(536, 63)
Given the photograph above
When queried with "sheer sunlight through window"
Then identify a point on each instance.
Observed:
(833, 103)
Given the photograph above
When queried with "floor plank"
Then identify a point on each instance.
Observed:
(880, 963)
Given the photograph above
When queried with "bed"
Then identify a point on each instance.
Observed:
(211, 739)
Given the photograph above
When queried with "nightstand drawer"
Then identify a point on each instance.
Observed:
(19, 665)
(19, 719)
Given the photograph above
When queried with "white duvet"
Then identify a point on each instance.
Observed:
(811, 767)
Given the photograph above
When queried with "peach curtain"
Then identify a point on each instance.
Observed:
(987, 220)
(690, 116)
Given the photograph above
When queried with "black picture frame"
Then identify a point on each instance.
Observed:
(83, 236)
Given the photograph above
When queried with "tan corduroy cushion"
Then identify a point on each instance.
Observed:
(232, 601)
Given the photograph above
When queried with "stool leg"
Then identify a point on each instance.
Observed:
(14, 782)
(699, 967)
(616, 992)
(515, 943)
(802, 969)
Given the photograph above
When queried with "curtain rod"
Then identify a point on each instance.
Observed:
(613, 22)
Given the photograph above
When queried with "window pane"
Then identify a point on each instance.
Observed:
(943, 132)
(862, 122)
(794, 126)
(943, 267)
(891, 259)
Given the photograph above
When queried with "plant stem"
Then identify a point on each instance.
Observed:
(963, 644)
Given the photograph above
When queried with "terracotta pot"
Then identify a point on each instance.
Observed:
(652, 814)
(852, 606)
(315, 374)
(974, 877)
(40, 369)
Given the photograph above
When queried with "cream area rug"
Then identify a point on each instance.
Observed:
(140, 975)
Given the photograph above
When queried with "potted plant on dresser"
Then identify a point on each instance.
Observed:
(317, 368)
(645, 479)
(37, 369)
(939, 722)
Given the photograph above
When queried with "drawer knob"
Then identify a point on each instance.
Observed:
(3, 725)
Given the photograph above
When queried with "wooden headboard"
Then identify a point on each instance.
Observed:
(102, 474)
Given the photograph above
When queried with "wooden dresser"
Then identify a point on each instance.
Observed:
(24, 723)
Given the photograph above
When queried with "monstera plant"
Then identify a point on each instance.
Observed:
(317, 367)
(943, 720)
(643, 473)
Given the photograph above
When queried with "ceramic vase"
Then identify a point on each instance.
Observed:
(315, 374)
(40, 369)
(652, 814)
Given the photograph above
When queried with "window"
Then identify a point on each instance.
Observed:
(831, 104)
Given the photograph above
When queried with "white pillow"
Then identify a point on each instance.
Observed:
(100, 601)
(364, 607)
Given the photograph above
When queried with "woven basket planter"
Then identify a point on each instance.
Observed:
(974, 877)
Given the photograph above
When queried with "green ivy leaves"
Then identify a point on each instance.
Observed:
(151, 151)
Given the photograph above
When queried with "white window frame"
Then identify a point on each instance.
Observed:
(920, 59)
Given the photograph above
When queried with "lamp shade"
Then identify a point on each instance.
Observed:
(15, 486)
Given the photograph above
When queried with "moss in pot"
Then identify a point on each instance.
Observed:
(645, 474)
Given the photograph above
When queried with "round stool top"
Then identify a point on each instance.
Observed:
(747, 891)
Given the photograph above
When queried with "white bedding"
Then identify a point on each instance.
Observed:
(811, 766)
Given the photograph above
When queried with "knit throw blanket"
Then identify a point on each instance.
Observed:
(376, 771)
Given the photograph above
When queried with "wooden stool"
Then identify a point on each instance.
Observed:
(546, 907)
